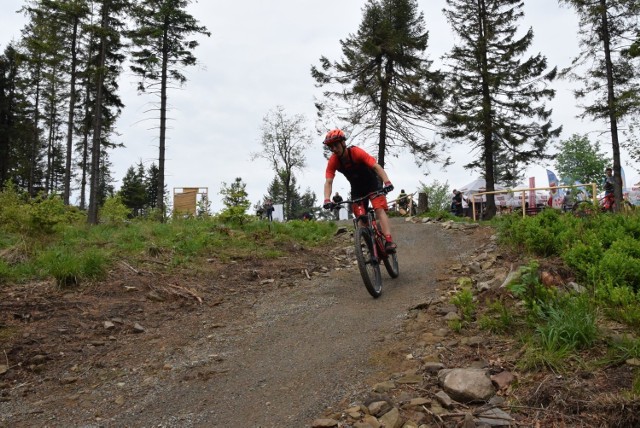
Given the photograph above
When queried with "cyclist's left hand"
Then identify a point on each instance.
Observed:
(388, 187)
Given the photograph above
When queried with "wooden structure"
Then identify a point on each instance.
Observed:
(185, 199)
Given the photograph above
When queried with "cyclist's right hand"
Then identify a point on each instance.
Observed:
(328, 205)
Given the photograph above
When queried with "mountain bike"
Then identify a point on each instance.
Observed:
(605, 204)
(370, 245)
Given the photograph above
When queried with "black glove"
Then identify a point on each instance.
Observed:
(388, 187)
(328, 205)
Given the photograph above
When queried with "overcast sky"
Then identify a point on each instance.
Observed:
(259, 56)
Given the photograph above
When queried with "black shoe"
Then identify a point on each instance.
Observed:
(390, 247)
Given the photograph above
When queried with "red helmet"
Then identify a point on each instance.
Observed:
(334, 136)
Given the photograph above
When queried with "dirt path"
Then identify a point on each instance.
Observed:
(275, 359)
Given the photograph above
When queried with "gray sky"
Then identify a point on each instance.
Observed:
(259, 56)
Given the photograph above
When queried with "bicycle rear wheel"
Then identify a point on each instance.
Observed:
(368, 265)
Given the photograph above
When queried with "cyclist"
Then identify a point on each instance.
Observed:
(607, 183)
(365, 176)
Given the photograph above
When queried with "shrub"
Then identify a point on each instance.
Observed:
(463, 300)
(114, 211)
(14, 210)
(46, 213)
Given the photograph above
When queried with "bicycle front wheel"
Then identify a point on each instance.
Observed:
(391, 264)
(367, 263)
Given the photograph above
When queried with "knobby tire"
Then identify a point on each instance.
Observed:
(391, 264)
(369, 268)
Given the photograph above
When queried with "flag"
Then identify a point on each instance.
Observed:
(553, 182)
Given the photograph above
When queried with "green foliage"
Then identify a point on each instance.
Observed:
(439, 197)
(463, 300)
(620, 263)
(384, 69)
(456, 325)
(69, 267)
(569, 322)
(498, 318)
(114, 211)
(552, 355)
(621, 303)
(494, 85)
(42, 215)
(236, 203)
(531, 291)
(623, 349)
(78, 252)
(14, 212)
(48, 212)
(579, 159)
(543, 234)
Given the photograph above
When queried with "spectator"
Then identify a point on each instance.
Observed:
(403, 201)
(336, 200)
(268, 209)
(456, 203)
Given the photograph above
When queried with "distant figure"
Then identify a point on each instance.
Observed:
(336, 200)
(608, 184)
(456, 203)
(268, 209)
(403, 201)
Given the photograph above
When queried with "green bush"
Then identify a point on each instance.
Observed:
(14, 210)
(114, 211)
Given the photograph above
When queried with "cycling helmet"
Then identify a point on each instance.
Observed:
(334, 136)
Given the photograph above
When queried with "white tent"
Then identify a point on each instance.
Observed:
(477, 186)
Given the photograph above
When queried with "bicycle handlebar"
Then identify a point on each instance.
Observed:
(353, 201)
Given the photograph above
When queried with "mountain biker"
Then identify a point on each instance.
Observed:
(607, 183)
(365, 176)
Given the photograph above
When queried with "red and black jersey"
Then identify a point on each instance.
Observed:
(357, 167)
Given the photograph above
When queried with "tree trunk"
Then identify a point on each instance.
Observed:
(611, 105)
(163, 118)
(94, 187)
(72, 106)
(36, 138)
(486, 113)
(385, 82)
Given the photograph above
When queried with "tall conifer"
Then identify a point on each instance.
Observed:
(497, 94)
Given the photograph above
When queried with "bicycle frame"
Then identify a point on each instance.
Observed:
(368, 219)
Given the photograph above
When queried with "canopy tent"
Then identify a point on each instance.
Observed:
(477, 186)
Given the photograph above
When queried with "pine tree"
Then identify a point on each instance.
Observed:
(152, 182)
(383, 88)
(610, 81)
(133, 191)
(102, 77)
(495, 106)
(160, 51)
